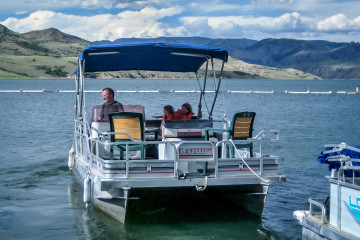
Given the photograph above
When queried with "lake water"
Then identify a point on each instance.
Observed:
(41, 199)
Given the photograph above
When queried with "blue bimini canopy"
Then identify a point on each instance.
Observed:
(149, 56)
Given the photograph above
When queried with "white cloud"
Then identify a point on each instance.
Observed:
(199, 27)
(288, 25)
(54, 5)
(184, 20)
(35, 21)
(20, 12)
(143, 23)
(316, 8)
(140, 4)
(149, 13)
(232, 25)
(286, 22)
(339, 22)
(215, 6)
(96, 4)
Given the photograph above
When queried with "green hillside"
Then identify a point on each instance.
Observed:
(38, 54)
(36, 66)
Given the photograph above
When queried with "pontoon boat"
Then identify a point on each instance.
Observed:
(130, 163)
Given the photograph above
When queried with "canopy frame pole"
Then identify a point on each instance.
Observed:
(205, 78)
(75, 138)
(202, 89)
(81, 89)
(82, 109)
(77, 94)
(218, 86)
(78, 106)
(83, 94)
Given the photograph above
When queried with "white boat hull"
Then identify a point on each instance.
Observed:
(125, 199)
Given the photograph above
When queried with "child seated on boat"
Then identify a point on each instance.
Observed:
(168, 113)
(186, 112)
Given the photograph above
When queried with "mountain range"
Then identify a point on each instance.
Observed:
(327, 60)
(52, 53)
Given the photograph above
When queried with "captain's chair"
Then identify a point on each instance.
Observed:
(241, 129)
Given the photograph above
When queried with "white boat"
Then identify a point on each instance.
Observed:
(191, 158)
(337, 216)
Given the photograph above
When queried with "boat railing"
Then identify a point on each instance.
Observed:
(117, 133)
(81, 138)
(207, 154)
(180, 152)
(343, 174)
(349, 170)
(267, 135)
(339, 148)
(255, 165)
(315, 204)
(124, 167)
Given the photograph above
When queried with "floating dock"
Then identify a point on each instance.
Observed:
(251, 91)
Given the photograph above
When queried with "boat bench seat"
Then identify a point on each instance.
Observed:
(193, 128)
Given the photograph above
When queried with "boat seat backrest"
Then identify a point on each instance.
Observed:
(185, 128)
(126, 122)
(242, 125)
(96, 111)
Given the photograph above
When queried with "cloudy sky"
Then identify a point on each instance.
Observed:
(333, 20)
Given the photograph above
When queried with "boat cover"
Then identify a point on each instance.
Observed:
(325, 158)
(168, 57)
